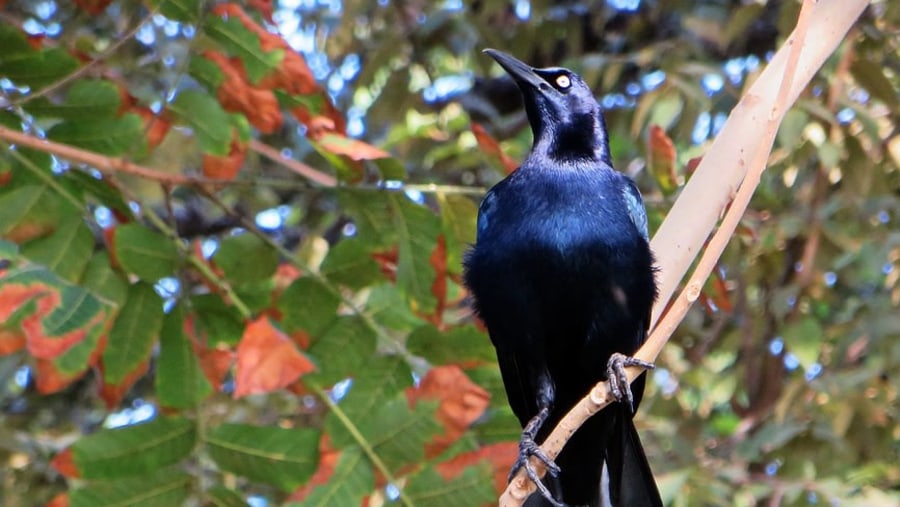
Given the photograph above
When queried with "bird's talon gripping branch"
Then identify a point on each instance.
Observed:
(528, 448)
(619, 386)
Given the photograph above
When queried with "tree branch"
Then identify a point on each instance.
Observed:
(750, 129)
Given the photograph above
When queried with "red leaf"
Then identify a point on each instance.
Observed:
(320, 123)
(500, 455)
(215, 362)
(328, 458)
(112, 394)
(11, 340)
(64, 463)
(438, 261)
(353, 149)
(267, 360)
(293, 74)
(661, 158)
(489, 146)
(264, 7)
(60, 500)
(388, 263)
(93, 7)
(49, 379)
(227, 167)
(461, 403)
(156, 126)
(238, 95)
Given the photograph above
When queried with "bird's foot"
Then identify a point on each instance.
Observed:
(528, 448)
(618, 379)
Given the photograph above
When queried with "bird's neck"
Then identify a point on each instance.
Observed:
(579, 139)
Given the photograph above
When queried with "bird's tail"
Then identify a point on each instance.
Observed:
(627, 480)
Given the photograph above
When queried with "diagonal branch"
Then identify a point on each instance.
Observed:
(750, 130)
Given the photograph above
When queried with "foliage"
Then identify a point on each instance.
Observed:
(264, 301)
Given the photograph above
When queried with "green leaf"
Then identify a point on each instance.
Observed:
(458, 216)
(383, 379)
(103, 281)
(282, 457)
(133, 333)
(180, 382)
(473, 486)
(14, 43)
(239, 41)
(417, 230)
(371, 212)
(29, 206)
(220, 496)
(37, 69)
(350, 263)
(388, 308)
(206, 72)
(109, 136)
(245, 258)
(342, 350)
(463, 344)
(66, 252)
(147, 254)
(351, 481)
(206, 117)
(398, 433)
(871, 76)
(87, 98)
(308, 305)
(187, 11)
(390, 169)
(132, 450)
(165, 488)
(804, 339)
(215, 321)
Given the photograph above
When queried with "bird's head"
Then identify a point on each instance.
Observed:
(564, 115)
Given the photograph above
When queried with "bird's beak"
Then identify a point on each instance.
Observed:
(522, 73)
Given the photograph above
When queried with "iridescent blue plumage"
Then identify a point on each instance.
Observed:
(562, 276)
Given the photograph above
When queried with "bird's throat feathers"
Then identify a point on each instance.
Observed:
(577, 138)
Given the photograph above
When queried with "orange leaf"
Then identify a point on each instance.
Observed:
(267, 360)
(329, 119)
(65, 464)
(60, 500)
(438, 261)
(388, 263)
(661, 159)
(238, 95)
(112, 394)
(227, 167)
(293, 75)
(352, 148)
(328, 458)
(156, 126)
(500, 455)
(11, 341)
(214, 362)
(49, 379)
(461, 403)
(489, 146)
(42, 346)
(264, 7)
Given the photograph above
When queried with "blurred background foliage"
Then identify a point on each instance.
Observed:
(780, 387)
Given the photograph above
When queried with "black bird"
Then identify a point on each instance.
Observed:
(563, 278)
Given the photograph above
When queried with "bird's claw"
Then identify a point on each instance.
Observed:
(619, 386)
(528, 448)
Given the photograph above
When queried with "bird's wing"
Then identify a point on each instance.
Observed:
(635, 204)
(487, 209)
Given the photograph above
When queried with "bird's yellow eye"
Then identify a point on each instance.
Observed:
(563, 81)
